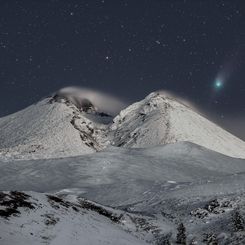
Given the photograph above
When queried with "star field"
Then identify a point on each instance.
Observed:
(127, 48)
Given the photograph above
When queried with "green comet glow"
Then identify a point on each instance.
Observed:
(218, 84)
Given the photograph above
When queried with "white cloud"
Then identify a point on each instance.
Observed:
(102, 101)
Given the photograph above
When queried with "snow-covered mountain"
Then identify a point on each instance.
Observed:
(58, 127)
(161, 119)
(54, 127)
(72, 174)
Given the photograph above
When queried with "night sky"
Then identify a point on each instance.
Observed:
(193, 48)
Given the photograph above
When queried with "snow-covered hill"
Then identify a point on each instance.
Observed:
(160, 119)
(53, 127)
(152, 175)
(34, 218)
(146, 192)
(123, 176)
(58, 127)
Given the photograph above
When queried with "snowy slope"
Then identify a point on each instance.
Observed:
(38, 218)
(50, 129)
(56, 127)
(125, 176)
(151, 190)
(155, 166)
(160, 119)
(46, 219)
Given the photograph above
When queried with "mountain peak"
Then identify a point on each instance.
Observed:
(161, 118)
(162, 96)
(77, 124)
(91, 100)
(83, 104)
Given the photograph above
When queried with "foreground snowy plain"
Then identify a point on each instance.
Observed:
(151, 192)
(70, 176)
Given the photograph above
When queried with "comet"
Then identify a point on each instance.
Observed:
(218, 84)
